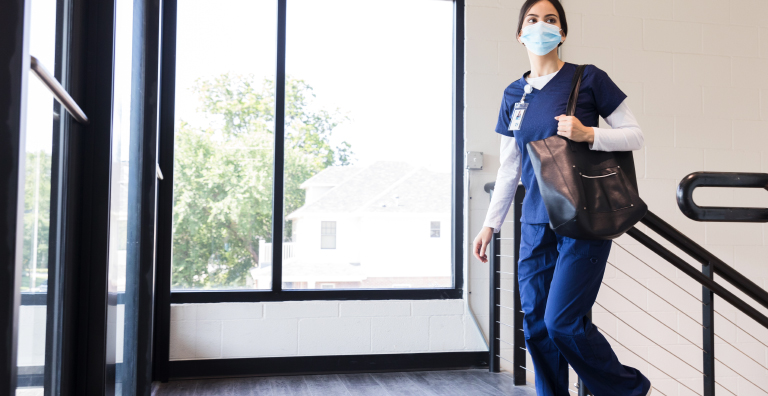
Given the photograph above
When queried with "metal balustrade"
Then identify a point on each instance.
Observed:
(711, 265)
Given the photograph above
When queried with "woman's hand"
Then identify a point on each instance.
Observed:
(572, 128)
(481, 242)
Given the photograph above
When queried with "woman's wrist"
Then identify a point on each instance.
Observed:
(590, 135)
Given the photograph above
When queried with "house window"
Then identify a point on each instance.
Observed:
(327, 235)
(434, 229)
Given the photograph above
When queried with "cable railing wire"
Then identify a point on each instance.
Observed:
(744, 353)
(700, 324)
(649, 314)
(737, 326)
(649, 338)
(502, 323)
(656, 271)
(739, 374)
(652, 365)
(655, 294)
(681, 288)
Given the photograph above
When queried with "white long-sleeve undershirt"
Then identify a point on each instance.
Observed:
(624, 135)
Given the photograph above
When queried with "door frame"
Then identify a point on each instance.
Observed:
(14, 58)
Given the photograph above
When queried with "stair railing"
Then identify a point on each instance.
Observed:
(710, 265)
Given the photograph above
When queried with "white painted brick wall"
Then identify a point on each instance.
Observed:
(305, 328)
(696, 76)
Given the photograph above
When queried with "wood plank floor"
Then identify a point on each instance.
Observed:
(413, 383)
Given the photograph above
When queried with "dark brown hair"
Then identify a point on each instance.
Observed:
(527, 6)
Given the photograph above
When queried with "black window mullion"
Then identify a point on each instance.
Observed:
(162, 335)
(277, 183)
(457, 206)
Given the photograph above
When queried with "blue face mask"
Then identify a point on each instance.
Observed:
(541, 37)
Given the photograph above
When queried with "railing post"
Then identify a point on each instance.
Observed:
(518, 338)
(495, 282)
(708, 320)
(518, 356)
(494, 265)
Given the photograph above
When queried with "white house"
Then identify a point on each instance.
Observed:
(384, 225)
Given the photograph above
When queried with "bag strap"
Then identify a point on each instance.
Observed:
(570, 108)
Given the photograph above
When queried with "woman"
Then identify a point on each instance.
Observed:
(559, 277)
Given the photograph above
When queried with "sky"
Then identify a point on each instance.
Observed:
(39, 98)
(386, 64)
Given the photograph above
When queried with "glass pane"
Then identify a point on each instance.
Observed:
(368, 88)
(121, 182)
(37, 204)
(224, 143)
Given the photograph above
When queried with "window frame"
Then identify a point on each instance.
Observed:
(277, 293)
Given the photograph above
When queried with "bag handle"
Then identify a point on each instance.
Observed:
(570, 107)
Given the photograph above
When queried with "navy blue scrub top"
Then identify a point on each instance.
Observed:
(598, 97)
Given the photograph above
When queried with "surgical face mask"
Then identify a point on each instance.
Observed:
(541, 37)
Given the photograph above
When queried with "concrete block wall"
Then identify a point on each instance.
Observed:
(307, 328)
(696, 76)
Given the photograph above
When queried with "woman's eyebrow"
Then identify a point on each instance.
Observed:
(544, 15)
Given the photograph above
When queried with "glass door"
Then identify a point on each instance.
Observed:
(78, 210)
(38, 286)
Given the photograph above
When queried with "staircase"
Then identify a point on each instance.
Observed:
(675, 340)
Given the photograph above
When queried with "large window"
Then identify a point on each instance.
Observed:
(335, 118)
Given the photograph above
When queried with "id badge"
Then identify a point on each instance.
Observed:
(517, 116)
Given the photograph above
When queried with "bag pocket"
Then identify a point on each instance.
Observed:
(605, 190)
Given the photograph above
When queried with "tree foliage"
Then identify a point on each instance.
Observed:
(223, 174)
(37, 204)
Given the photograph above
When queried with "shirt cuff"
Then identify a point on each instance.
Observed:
(489, 223)
(597, 143)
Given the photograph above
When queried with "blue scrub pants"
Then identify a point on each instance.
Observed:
(559, 279)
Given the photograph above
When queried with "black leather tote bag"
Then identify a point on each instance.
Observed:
(588, 194)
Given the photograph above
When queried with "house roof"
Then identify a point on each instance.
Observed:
(373, 188)
(301, 271)
(331, 176)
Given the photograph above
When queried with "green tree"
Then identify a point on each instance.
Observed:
(223, 174)
(37, 204)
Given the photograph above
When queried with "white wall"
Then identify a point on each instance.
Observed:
(696, 76)
(306, 328)
(385, 244)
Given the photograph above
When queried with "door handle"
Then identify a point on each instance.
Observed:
(58, 91)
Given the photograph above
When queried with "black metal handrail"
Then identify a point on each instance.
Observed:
(703, 256)
(711, 265)
(705, 281)
(721, 179)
